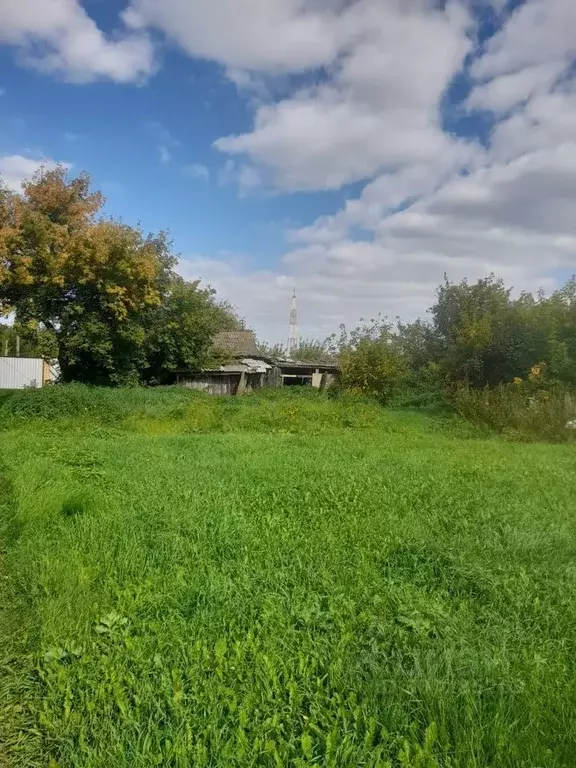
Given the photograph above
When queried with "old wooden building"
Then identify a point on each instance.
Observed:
(247, 368)
(319, 374)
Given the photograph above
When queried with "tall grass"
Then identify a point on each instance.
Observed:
(361, 589)
(180, 410)
(106, 405)
(520, 412)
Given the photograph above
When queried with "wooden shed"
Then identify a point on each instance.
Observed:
(246, 369)
(319, 374)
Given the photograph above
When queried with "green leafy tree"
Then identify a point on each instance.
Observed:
(483, 337)
(309, 350)
(100, 288)
(180, 331)
(34, 341)
(554, 317)
(88, 281)
(370, 361)
(468, 321)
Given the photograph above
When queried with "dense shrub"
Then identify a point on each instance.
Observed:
(370, 362)
(164, 410)
(519, 410)
(106, 405)
(480, 339)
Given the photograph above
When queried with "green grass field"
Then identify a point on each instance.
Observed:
(280, 580)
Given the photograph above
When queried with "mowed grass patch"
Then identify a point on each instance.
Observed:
(366, 591)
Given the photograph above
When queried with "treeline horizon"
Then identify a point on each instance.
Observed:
(104, 299)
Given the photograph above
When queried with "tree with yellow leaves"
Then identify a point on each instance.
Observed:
(96, 284)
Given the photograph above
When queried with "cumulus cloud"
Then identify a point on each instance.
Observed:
(547, 120)
(432, 203)
(504, 92)
(533, 193)
(382, 66)
(58, 36)
(277, 35)
(323, 140)
(538, 32)
(515, 219)
(373, 79)
(379, 108)
(197, 171)
(14, 169)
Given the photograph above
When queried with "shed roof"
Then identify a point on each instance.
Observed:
(322, 365)
(244, 364)
(238, 344)
(240, 365)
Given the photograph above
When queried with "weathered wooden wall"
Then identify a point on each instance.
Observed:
(224, 384)
(274, 378)
(213, 385)
(237, 383)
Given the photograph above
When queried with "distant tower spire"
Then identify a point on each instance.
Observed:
(293, 335)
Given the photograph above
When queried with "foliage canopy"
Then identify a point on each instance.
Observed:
(479, 336)
(105, 292)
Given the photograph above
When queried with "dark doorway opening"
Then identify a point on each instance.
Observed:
(297, 381)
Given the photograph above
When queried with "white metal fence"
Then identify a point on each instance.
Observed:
(21, 372)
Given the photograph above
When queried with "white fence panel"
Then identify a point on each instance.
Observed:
(21, 372)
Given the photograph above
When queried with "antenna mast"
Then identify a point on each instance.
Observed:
(293, 335)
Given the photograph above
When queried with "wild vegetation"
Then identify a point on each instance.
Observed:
(283, 579)
(287, 578)
(509, 363)
(99, 295)
(104, 299)
(308, 349)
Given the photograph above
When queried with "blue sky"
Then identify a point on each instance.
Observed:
(355, 149)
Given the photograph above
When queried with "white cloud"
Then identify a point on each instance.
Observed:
(506, 91)
(369, 107)
(386, 66)
(538, 32)
(165, 155)
(547, 120)
(525, 67)
(534, 193)
(514, 219)
(197, 171)
(14, 169)
(433, 204)
(58, 36)
(275, 35)
(323, 141)
(249, 83)
(380, 107)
